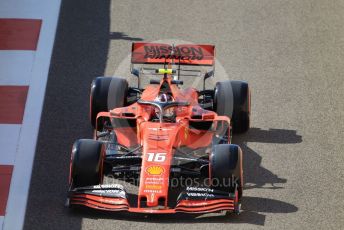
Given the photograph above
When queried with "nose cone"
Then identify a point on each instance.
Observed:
(154, 179)
(156, 162)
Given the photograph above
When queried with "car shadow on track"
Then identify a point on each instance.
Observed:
(253, 208)
(255, 175)
(123, 36)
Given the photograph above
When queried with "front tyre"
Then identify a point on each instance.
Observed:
(86, 163)
(226, 171)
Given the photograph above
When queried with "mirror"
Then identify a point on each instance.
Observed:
(209, 74)
(135, 72)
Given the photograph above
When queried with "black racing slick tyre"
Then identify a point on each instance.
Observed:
(107, 93)
(232, 99)
(86, 163)
(226, 172)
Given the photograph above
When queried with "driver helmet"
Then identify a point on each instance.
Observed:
(164, 97)
(169, 113)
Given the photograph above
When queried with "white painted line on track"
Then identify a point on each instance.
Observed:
(16, 205)
(25, 9)
(16, 67)
(1, 221)
(9, 136)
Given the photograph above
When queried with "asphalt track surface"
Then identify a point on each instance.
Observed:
(291, 53)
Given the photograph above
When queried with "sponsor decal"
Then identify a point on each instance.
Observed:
(153, 186)
(198, 194)
(155, 170)
(199, 189)
(110, 193)
(152, 182)
(117, 186)
(110, 201)
(154, 179)
(196, 203)
(178, 52)
(151, 191)
(152, 197)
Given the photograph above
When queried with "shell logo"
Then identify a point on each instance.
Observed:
(155, 170)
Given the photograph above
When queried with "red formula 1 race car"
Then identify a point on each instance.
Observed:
(148, 137)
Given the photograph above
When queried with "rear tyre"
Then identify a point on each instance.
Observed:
(232, 99)
(86, 163)
(107, 93)
(226, 170)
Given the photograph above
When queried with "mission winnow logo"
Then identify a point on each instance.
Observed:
(176, 52)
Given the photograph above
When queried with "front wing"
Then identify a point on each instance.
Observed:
(192, 200)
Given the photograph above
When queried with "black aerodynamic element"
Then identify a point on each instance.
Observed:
(232, 99)
(107, 93)
(225, 167)
(86, 161)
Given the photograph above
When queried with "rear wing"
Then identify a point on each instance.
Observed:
(185, 54)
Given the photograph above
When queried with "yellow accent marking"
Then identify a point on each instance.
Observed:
(167, 71)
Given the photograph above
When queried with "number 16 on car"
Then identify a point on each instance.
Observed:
(156, 157)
